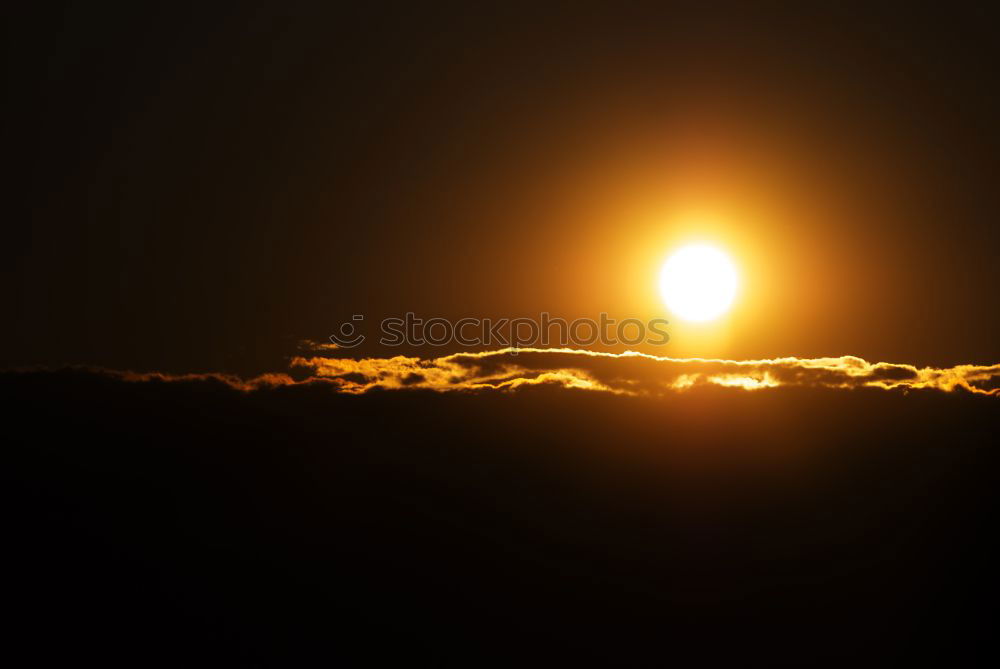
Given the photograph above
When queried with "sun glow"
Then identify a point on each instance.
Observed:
(698, 282)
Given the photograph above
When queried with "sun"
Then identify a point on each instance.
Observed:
(698, 282)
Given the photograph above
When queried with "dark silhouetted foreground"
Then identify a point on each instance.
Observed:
(189, 523)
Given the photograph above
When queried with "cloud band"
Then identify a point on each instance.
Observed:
(636, 373)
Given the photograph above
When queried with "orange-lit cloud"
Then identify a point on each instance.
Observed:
(636, 373)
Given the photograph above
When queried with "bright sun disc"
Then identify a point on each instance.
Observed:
(698, 282)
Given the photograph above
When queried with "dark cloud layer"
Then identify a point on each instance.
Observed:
(275, 522)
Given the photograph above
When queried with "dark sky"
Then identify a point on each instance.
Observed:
(198, 188)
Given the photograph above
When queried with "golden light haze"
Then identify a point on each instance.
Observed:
(765, 198)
